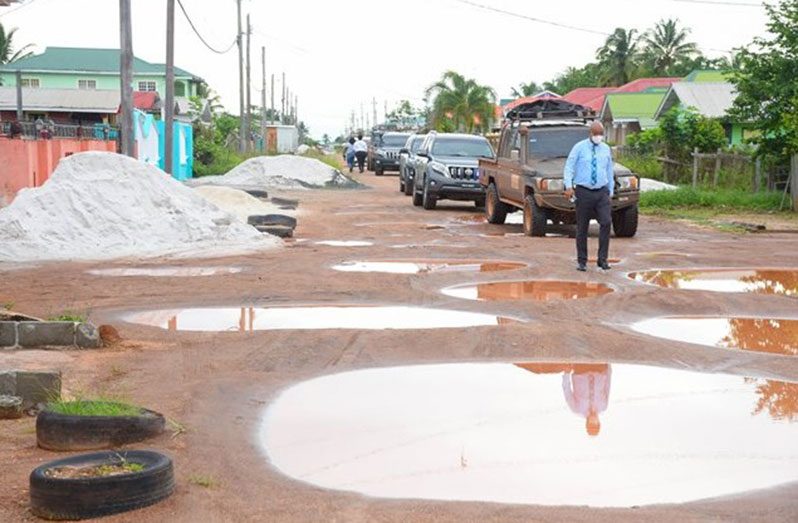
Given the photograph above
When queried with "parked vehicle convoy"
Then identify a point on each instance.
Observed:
(447, 168)
(386, 147)
(407, 158)
(527, 174)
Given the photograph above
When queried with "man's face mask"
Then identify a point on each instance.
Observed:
(597, 138)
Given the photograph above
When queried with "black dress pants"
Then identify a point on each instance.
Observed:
(593, 204)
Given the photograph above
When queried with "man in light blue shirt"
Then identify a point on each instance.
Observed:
(589, 176)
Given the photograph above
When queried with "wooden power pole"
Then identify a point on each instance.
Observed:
(249, 84)
(169, 109)
(126, 81)
(282, 104)
(263, 97)
(271, 116)
(241, 129)
(19, 95)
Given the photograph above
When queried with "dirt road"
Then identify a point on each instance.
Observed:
(217, 385)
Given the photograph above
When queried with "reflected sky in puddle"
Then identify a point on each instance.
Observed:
(428, 266)
(776, 336)
(165, 271)
(247, 319)
(536, 290)
(764, 281)
(345, 243)
(553, 434)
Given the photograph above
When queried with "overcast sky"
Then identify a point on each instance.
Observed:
(339, 55)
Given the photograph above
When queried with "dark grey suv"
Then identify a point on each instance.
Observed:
(386, 151)
(447, 168)
(407, 159)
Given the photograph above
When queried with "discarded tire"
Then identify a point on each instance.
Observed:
(276, 230)
(60, 432)
(90, 497)
(263, 195)
(10, 407)
(272, 219)
(285, 203)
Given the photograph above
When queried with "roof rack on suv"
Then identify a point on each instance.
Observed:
(548, 108)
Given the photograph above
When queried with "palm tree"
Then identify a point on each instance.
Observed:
(7, 53)
(461, 103)
(523, 89)
(667, 46)
(617, 57)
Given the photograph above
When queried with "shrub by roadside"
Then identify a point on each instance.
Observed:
(719, 201)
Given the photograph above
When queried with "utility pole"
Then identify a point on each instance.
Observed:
(296, 108)
(282, 104)
(169, 112)
(272, 94)
(374, 107)
(385, 113)
(126, 75)
(19, 95)
(241, 128)
(362, 118)
(249, 84)
(263, 96)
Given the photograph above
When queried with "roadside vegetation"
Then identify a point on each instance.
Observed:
(97, 407)
(69, 316)
(718, 200)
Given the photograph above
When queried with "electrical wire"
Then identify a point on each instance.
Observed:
(21, 6)
(196, 32)
(719, 2)
(531, 18)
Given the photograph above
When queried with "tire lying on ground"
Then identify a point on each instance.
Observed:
(89, 497)
(280, 231)
(272, 220)
(62, 432)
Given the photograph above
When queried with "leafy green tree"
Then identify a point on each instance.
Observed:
(618, 57)
(572, 78)
(7, 52)
(667, 46)
(461, 102)
(526, 89)
(767, 91)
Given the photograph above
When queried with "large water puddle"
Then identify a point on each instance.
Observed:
(536, 290)
(163, 272)
(248, 319)
(428, 266)
(345, 243)
(776, 336)
(760, 281)
(553, 434)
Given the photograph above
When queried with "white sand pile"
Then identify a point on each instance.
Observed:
(239, 203)
(302, 149)
(647, 184)
(280, 172)
(103, 205)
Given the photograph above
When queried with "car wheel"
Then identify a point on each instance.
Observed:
(418, 198)
(429, 201)
(624, 222)
(534, 217)
(409, 188)
(401, 183)
(379, 171)
(480, 203)
(495, 210)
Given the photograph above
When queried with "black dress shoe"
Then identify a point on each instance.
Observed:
(581, 267)
(604, 266)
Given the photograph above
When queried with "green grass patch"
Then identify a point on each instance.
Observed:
(643, 166)
(69, 316)
(93, 408)
(718, 201)
(333, 160)
(202, 481)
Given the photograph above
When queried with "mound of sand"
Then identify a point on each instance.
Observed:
(280, 172)
(104, 205)
(647, 184)
(238, 202)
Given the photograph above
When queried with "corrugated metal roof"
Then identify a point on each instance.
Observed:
(592, 97)
(711, 99)
(61, 100)
(643, 84)
(708, 75)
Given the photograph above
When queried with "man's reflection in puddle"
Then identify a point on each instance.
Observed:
(586, 387)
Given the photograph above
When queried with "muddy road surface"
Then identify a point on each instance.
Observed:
(214, 374)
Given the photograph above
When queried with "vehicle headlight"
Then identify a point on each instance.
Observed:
(627, 183)
(380, 152)
(439, 168)
(552, 184)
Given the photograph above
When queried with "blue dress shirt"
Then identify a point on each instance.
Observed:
(579, 166)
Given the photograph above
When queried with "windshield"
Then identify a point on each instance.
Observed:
(416, 144)
(554, 143)
(471, 148)
(394, 140)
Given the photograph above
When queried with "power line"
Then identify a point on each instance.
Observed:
(209, 46)
(719, 2)
(21, 6)
(531, 18)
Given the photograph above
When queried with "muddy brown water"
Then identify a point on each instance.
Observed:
(344, 243)
(535, 290)
(760, 281)
(248, 319)
(428, 266)
(771, 335)
(602, 435)
(165, 272)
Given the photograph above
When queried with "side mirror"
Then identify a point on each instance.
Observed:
(403, 151)
(422, 153)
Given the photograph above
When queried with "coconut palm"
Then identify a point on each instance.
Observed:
(618, 56)
(460, 103)
(7, 52)
(666, 45)
(523, 89)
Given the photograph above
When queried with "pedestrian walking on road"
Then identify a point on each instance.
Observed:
(349, 153)
(361, 152)
(589, 177)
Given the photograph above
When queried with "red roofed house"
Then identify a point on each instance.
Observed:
(592, 97)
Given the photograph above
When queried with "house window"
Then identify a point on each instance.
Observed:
(180, 89)
(87, 84)
(30, 82)
(148, 86)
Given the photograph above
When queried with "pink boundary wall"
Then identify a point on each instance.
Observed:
(29, 163)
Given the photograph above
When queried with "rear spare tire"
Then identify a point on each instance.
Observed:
(495, 210)
(624, 222)
(52, 497)
(534, 217)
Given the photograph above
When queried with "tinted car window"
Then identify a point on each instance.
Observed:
(553, 143)
(416, 145)
(462, 147)
(393, 140)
